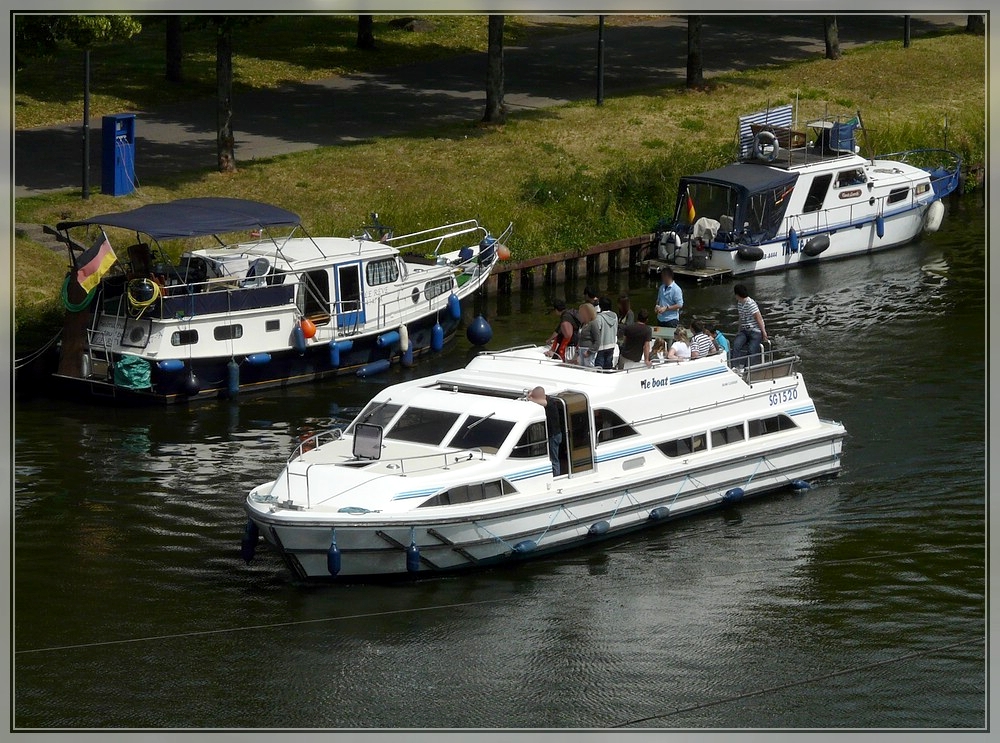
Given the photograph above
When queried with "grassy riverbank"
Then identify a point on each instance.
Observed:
(572, 176)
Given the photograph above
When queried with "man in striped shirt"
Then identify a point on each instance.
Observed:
(751, 333)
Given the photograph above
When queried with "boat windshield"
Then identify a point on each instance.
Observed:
(422, 425)
(376, 413)
(479, 432)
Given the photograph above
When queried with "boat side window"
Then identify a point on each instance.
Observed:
(437, 287)
(478, 432)
(470, 493)
(422, 425)
(383, 271)
(817, 192)
(314, 293)
(227, 332)
(376, 413)
(727, 435)
(184, 338)
(681, 447)
(763, 426)
(609, 426)
(897, 194)
(532, 442)
(852, 177)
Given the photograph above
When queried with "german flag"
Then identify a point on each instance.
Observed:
(94, 263)
(690, 209)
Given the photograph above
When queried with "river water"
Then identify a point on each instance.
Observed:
(858, 604)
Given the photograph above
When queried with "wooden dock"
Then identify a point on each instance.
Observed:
(707, 275)
(570, 265)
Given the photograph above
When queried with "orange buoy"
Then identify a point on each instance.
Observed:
(503, 252)
(308, 327)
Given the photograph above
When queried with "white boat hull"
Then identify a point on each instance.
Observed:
(720, 437)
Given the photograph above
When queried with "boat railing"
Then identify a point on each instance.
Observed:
(436, 235)
(944, 166)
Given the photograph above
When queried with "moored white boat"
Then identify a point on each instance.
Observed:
(452, 471)
(267, 306)
(790, 201)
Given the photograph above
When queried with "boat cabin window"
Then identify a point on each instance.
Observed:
(376, 413)
(383, 271)
(532, 442)
(227, 332)
(852, 177)
(271, 326)
(684, 446)
(422, 425)
(763, 426)
(897, 194)
(817, 193)
(184, 338)
(437, 287)
(610, 426)
(469, 493)
(478, 432)
(727, 435)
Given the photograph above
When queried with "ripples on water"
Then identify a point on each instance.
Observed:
(133, 608)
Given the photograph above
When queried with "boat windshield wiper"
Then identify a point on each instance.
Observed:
(469, 427)
(375, 410)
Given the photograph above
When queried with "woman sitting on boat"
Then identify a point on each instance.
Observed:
(679, 349)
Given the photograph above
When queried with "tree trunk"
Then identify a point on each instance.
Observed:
(224, 110)
(495, 111)
(976, 24)
(695, 73)
(174, 53)
(831, 37)
(366, 32)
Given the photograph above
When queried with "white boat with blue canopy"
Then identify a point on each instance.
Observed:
(794, 198)
(253, 302)
(453, 471)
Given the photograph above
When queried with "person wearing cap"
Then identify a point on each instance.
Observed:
(669, 300)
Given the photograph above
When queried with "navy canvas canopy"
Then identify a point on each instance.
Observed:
(749, 176)
(195, 217)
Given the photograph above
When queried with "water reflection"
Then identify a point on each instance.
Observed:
(127, 528)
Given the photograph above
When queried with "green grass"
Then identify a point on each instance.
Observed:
(576, 175)
(267, 53)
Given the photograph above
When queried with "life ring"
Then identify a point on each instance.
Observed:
(765, 140)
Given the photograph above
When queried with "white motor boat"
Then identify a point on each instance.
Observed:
(790, 200)
(452, 471)
(265, 306)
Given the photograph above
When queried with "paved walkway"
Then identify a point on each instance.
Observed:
(415, 98)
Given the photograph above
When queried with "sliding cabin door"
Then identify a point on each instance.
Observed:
(579, 442)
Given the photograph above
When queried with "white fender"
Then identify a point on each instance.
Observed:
(404, 338)
(934, 215)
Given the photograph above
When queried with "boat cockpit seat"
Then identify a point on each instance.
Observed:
(257, 274)
(725, 227)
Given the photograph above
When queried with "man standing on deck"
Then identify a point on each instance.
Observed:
(751, 333)
(669, 300)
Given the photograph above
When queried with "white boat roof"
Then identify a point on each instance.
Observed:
(302, 253)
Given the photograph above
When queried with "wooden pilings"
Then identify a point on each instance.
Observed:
(570, 265)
